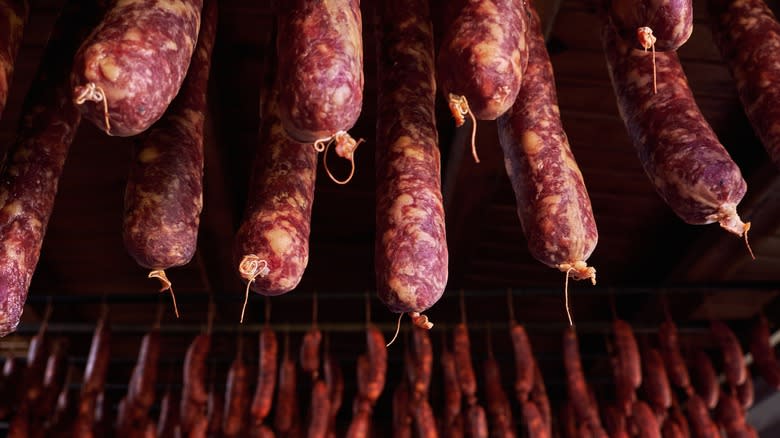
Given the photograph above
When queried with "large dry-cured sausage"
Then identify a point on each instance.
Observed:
(13, 16)
(132, 65)
(411, 246)
(552, 202)
(677, 148)
(483, 57)
(320, 48)
(748, 34)
(34, 162)
(660, 24)
(266, 375)
(164, 192)
(272, 244)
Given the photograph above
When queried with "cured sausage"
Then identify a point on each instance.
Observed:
(655, 382)
(361, 421)
(498, 408)
(377, 361)
(132, 65)
(310, 352)
(195, 396)
(701, 424)
(552, 202)
(669, 22)
(402, 418)
(97, 361)
(676, 416)
(671, 429)
(32, 379)
(141, 389)
(764, 353)
(615, 422)
(320, 410)
(411, 255)
(334, 379)
(320, 51)
(575, 378)
(624, 389)
(461, 348)
(534, 421)
(34, 161)
(272, 244)
(733, 357)
(13, 16)
(627, 352)
(423, 355)
(568, 419)
(164, 192)
(540, 398)
(452, 393)
(216, 404)
(476, 421)
(168, 423)
(285, 396)
(746, 33)
(483, 57)
(705, 380)
(424, 420)
(236, 397)
(524, 362)
(53, 380)
(266, 375)
(746, 392)
(644, 420)
(676, 369)
(677, 148)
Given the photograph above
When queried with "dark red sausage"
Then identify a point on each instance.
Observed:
(272, 244)
(645, 421)
(34, 163)
(746, 392)
(33, 375)
(53, 381)
(733, 358)
(284, 410)
(168, 423)
(552, 202)
(411, 255)
(655, 382)
(705, 380)
(360, 427)
(335, 381)
(729, 412)
(141, 389)
(135, 62)
(764, 353)
(476, 422)
(749, 51)
(320, 51)
(671, 429)
(676, 416)
(540, 398)
(452, 393)
(524, 362)
(701, 424)
(568, 420)
(195, 396)
(164, 192)
(670, 21)
(377, 358)
(310, 352)
(625, 393)
(498, 408)
(575, 378)
(615, 422)
(266, 375)
(461, 349)
(13, 16)
(402, 418)
(236, 397)
(424, 420)
(677, 148)
(216, 404)
(98, 360)
(484, 55)
(676, 369)
(320, 411)
(627, 351)
(534, 421)
(423, 355)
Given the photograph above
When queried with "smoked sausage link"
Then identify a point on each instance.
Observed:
(484, 55)
(164, 192)
(411, 255)
(35, 160)
(320, 67)
(764, 353)
(677, 148)
(13, 16)
(747, 34)
(552, 202)
(134, 63)
(733, 357)
(266, 375)
(705, 379)
(524, 362)
(628, 352)
(144, 377)
(676, 369)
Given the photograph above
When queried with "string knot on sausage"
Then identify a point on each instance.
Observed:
(345, 148)
(251, 267)
(459, 107)
(94, 93)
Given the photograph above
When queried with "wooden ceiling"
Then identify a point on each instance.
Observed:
(644, 251)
